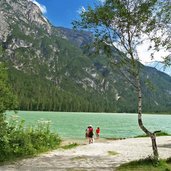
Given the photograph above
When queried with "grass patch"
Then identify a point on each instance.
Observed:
(147, 164)
(112, 153)
(69, 146)
(79, 158)
(162, 133)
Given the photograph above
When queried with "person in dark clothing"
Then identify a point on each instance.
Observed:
(90, 134)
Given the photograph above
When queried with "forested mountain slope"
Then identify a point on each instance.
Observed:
(50, 70)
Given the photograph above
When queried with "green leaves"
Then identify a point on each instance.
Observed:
(20, 141)
(7, 99)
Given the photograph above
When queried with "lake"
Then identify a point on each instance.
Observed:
(71, 125)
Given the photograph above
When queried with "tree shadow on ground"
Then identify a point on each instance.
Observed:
(165, 146)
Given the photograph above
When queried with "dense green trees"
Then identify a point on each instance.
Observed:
(39, 94)
(7, 99)
(36, 93)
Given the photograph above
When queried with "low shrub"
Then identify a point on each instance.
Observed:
(19, 141)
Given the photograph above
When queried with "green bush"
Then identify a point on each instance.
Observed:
(18, 141)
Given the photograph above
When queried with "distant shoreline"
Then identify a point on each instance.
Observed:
(146, 113)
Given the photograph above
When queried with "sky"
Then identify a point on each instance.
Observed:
(63, 12)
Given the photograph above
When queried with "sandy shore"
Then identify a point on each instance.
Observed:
(93, 157)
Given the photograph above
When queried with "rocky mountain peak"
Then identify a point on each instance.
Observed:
(20, 11)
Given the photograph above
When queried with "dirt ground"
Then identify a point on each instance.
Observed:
(102, 155)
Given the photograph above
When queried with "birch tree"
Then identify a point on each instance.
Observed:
(123, 26)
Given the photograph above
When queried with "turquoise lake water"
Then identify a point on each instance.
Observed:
(73, 125)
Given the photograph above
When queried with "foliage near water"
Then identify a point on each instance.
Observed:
(17, 141)
(148, 164)
(161, 133)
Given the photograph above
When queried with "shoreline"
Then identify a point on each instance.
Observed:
(146, 113)
(84, 141)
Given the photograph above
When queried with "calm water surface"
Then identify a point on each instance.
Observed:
(73, 125)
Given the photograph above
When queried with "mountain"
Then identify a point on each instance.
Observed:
(161, 67)
(49, 68)
(79, 38)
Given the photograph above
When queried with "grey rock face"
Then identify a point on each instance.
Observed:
(26, 11)
(4, 27)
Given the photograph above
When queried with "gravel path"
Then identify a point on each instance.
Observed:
(93, 157)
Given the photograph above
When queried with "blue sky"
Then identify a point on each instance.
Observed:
(63, 12)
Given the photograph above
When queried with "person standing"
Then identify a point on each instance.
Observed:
(90, 134)
(97, 132)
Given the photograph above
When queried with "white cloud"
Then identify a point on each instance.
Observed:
(145, 54)
(42, 7)
(81, 10)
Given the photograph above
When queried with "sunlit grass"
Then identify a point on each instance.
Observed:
(147, 164)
